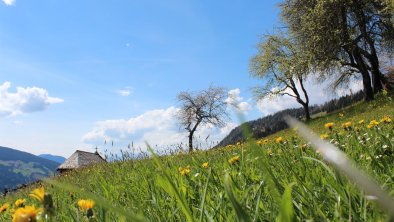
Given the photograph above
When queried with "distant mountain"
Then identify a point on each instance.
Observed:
(17, 168)
(57, 159)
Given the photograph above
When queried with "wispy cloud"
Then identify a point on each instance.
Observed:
(24, 100)
(9, 2)
(235, 100)
(126, 91)
(158, 127)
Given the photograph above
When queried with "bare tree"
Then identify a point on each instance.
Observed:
(200, 108)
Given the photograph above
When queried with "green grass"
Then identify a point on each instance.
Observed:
(271, 181)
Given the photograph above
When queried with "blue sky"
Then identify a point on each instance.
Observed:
(90, 71)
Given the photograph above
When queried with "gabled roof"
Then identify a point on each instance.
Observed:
(81, 159)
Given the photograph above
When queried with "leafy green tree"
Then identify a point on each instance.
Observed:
(343, 35)
(282, 66)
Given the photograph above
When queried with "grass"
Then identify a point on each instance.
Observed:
(265, 181)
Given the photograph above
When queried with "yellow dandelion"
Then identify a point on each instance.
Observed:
(279, 140)
(361, 121)
(19, 203)
(4, 207)
(347, 125)
(38, 194)
(26, 214)
(329, 125)
(85, 205)
(372, 124)
(386, 119)
(233, 160)
(323, 136)
(205, 165)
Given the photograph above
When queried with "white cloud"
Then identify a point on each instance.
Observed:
(126, 91)
(318, 93)
(157, 127)
(235, 100)
(9, 2)
(24, 100)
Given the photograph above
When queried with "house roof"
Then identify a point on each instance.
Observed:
(81, 159)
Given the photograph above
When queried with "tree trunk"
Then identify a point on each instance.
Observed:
(306, 103)
(368, 91)
(191, 141)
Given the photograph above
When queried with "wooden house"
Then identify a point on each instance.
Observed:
(80, 159)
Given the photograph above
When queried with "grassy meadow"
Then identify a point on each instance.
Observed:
(279, 177)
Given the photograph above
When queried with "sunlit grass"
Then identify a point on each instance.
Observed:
(275, 178)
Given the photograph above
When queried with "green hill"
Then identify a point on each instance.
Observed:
(17, 168)
(279, 176)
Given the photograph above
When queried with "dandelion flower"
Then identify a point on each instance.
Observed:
(19, 203)
(233, 160)
(372, 124)
(347, 125)
(26, 214)
(85, 205)
(329, 125)
(361, 121)
(386, 119)
(205, 165)
(38, 194)
(4, 207)
(279, 140)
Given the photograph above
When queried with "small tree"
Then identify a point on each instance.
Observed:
(282, 65)
(200, 108)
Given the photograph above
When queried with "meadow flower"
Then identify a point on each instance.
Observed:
(184, 171)
(26, 214)
(19, 203)
(323, 136)
(205, 165)
(329, 125)
(372, 124)
(347, 125)
(233, 160)
(85, 205)
(38, 194)
(386, 119)
(361, 121)
(279, 140)
(4, 207)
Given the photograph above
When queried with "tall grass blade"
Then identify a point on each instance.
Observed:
(339, 160)
(172, 189)
(286, 211)
(241, 213)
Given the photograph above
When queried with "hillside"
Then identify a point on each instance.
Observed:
(271, 124)
(275, 177)
(17, 167)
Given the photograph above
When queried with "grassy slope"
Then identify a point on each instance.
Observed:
(257, 181)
